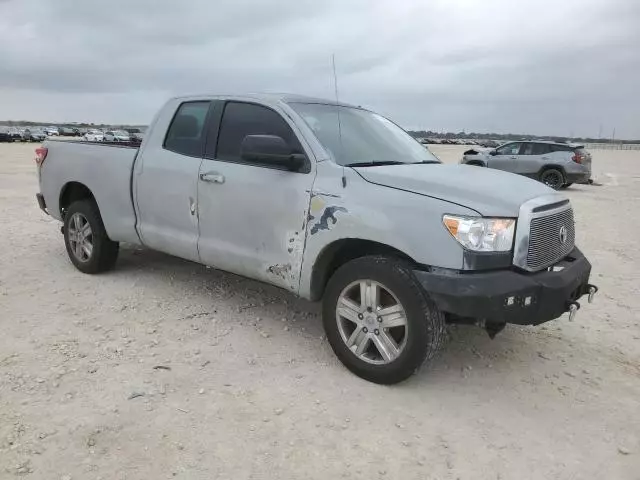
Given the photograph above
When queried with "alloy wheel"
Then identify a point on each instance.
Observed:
(372, 322)
(80, 237)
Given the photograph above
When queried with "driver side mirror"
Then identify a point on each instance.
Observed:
(271, 150)
(493, 152)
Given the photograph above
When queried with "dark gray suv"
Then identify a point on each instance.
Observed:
(557, 165)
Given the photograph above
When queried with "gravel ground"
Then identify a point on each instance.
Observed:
(167, 369)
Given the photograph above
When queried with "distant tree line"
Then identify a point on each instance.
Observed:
(508, 137)
(27, 123)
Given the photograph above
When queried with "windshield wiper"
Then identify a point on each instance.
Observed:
(374, 163)
(387, 162)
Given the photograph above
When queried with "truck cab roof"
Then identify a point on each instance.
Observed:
(268, 98)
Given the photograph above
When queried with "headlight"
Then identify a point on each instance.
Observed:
(482, 234)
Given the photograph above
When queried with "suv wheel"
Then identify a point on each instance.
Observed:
(88, 246)
(553, 178)
(379, 322)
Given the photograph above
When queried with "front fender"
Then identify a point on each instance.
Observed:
(404, 221)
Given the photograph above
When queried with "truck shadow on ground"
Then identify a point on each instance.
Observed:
(468, 351)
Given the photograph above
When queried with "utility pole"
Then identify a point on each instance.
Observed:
(600, 132)
(613, 135)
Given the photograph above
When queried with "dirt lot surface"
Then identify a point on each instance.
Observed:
(167, 369)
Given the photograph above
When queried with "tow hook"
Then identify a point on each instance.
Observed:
(573, 310)
(592, 289)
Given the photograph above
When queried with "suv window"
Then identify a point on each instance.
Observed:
(535, 149)
(185, 132)
(509, 149)
(561, 148)
(242, 119)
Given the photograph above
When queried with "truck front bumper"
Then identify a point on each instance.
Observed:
(511, 296)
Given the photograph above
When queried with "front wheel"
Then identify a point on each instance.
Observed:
(379, 322)
(88, 245)
(552, 178)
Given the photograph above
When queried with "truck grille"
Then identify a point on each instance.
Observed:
(551, 238)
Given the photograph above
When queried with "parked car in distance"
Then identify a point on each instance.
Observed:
(33, 135)
(489, 144)
(5, 135)
(116, 136)
(137, 137)
(15, 134)
(69, 132)
(94, 136)
(557, 165)
(395, 243)
(52, 131)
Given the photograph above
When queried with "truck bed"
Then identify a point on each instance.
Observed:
(104, 168)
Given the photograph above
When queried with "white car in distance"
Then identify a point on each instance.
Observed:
(94, 136)
(117, 136)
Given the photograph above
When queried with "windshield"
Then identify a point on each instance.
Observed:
(366, 136)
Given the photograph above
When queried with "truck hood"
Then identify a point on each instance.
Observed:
(491, 193)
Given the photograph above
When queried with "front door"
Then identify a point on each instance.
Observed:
(166, 183)
(252, 215)
(505, 157)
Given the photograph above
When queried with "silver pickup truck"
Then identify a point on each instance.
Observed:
(328, 201)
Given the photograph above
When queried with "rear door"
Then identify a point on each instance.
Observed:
(531, 158)
(252, 215)
(166, 182)
(505, 157)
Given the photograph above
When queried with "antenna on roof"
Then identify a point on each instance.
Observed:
(335, 87)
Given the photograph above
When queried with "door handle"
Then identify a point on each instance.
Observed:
(212, 177)
(513, 157)
(545, 158)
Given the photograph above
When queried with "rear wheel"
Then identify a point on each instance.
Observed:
(379, 322)
(88, 246)
(553, 178)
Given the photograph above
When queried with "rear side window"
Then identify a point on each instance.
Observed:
(185, 134)
(561, 148)
(242, 119)
(535, 149)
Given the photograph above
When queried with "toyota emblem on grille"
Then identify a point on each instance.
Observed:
(563, 234)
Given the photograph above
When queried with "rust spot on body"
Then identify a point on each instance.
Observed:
(282, 271)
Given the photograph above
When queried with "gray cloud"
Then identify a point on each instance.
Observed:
(531, 66)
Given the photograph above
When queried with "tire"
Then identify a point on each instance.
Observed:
(423, 333)
(103, 253)
(475, 164)
(553, 178)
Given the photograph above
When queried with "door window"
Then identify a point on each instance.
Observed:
(509, 149)
(185, 134)
(534, 149)
(242, 119)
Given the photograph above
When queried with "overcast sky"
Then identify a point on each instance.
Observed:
(532, 66)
